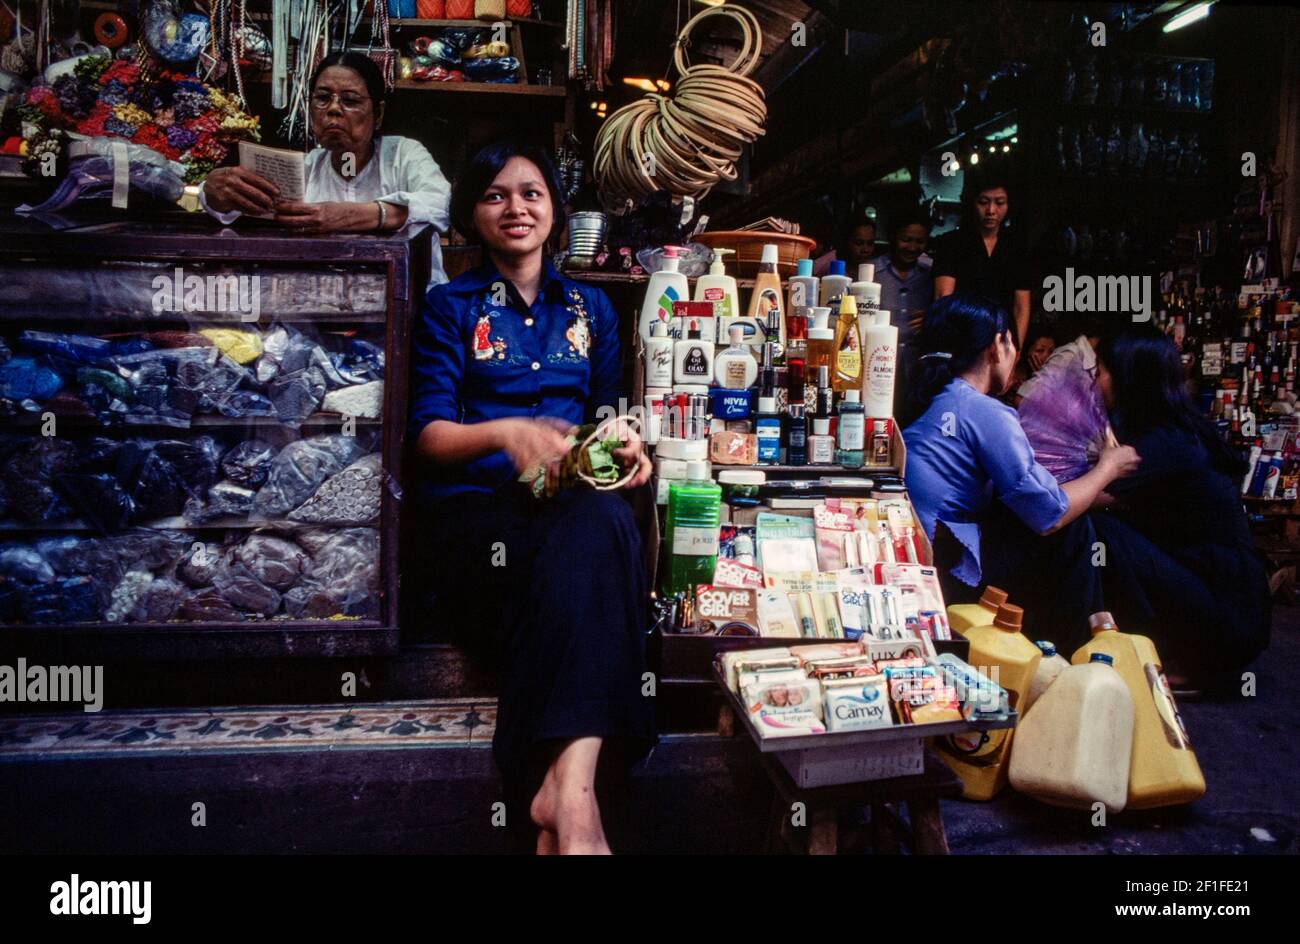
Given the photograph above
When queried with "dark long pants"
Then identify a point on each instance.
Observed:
(1207, 608)
(554, 593)
(1051, 577)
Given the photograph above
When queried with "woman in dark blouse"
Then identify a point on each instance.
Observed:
(505, 360)
(981, 256)
(1189, 577)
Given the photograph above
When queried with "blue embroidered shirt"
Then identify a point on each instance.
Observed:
(479, 353)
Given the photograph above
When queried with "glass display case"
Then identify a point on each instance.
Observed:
(201, 439)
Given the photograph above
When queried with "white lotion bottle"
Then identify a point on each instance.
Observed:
(666, 286)
(719, 288)
(735, 367)
(866, 290)
(880, 363)
(659, 357)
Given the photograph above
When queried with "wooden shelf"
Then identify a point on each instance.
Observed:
(491, 88)
(468, 24)
(205, 421)
(622, 278)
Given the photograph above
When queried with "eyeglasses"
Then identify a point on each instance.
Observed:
(347, 100)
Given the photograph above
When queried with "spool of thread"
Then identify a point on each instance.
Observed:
(110, 29)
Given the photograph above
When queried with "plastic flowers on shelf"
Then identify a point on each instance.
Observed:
(176, 115)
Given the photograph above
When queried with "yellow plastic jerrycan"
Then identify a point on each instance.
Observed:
(1164, 771)
(964, 616)
(1003, 654)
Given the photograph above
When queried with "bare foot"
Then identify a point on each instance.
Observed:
(547, 842)
(542, 810)
(578, 824)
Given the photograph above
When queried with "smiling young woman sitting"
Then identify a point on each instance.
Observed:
(506, 359)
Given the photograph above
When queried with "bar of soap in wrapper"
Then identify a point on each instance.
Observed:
(785, 709)
(730, 448)
(826, 650)
(981, 699)
(856, 704)
(728, 661)
(921, 696)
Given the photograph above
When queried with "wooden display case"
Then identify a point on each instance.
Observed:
(102, 281)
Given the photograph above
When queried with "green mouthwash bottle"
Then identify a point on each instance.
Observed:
(691, 538)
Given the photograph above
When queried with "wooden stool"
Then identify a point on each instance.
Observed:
(823, 808)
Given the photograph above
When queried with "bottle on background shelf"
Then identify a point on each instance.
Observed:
(659, 357)
(693, 358)
(766, 306)
(719, 288)
(834, 285)
(667, 285)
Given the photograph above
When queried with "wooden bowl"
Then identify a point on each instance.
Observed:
(748, 246)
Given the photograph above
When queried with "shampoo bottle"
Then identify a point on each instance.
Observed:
(666, 286)
(866, 291)
(820, 351)
(848, 348)
(765, 305)
(834, 285)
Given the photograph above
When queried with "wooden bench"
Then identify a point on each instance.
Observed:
(817, 827)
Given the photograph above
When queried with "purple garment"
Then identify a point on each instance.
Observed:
(966, 450)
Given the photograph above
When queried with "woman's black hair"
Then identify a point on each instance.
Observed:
(846, 234)
(483, 169)
(957, 330)
(363, 66)
(1149, 385)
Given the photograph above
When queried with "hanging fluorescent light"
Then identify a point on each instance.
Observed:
(1189, 15)
(645, 85)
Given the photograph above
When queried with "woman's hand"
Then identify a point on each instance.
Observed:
(318, 218)
(530, 442)
(234, 188)
(915, 321)
(1119, 461)
(632, 455)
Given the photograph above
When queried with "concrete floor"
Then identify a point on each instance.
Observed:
(1247, 748)
(695, 794)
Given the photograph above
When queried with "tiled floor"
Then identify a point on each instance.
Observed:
(437, 723)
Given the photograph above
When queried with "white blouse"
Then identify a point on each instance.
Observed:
(401, 172)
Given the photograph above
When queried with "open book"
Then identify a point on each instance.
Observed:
(286, 169)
